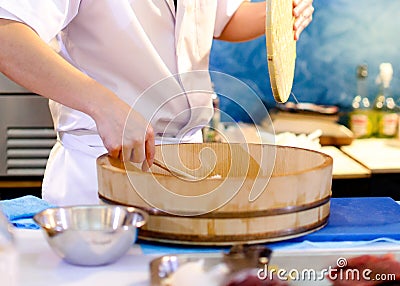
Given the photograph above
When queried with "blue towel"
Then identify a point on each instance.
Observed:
(20, 211)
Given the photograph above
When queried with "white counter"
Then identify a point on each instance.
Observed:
(344, 167)
(40, 266)
(378, 155)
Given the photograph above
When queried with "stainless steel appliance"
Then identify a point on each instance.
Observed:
(26, 132)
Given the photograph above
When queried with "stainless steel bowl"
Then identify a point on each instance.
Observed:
(91, 235)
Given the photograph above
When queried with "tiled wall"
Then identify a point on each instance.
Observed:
(343, 34)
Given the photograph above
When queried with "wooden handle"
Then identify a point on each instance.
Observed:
(173, 170)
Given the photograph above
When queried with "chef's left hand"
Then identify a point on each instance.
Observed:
(302, 11)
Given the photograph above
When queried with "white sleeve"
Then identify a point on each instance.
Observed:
(47, 17)
(225, 10)
(4, 14)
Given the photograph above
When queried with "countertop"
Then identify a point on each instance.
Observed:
(39, 266)
(344, 167)
(378, 155)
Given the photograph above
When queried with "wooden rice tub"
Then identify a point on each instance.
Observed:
(255, 193)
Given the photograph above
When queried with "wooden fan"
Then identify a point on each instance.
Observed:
(281, 47)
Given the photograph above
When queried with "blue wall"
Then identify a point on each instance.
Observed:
(343, 34)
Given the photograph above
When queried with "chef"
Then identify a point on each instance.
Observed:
(121, 75)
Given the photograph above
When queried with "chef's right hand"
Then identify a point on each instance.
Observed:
(126, 134)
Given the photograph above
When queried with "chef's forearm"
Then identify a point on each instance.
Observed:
(30, 62)
(246, 24)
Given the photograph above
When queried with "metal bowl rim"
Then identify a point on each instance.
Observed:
(127, 209)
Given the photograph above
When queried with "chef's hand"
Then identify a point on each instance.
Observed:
(303, 11)
(119, 121)
(248, 22)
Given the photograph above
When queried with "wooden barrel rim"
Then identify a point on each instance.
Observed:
(231, 215)
(232, 239)
(327, 161)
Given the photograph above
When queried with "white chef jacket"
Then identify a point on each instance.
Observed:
(134, 48)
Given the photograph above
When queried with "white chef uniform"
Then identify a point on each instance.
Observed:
(132, 47)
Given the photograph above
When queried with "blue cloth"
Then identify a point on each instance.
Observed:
(20, 211)
(352, 222)
(153, 248)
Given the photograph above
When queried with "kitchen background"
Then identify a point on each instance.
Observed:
(343, 34)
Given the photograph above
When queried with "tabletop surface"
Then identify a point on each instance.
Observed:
(344, 235)
(39, 265)
(378, 155)
(344, 167)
